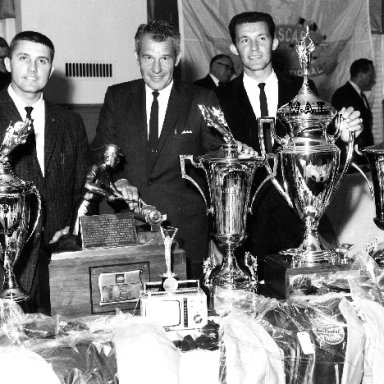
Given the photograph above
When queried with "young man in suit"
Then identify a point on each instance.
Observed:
(352, 94)
(154, 120)
(220, 72)
(274, 226)
(55, 161)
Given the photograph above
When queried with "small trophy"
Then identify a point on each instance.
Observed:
(168, 234)
(16, 202)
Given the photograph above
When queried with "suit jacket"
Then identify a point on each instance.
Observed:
(347, 96)
(66, 161)
(206, 82)
(274, 225)
(123, 122)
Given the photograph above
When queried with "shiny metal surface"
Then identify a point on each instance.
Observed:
(229, 180)
(309, 159)
(17, 197)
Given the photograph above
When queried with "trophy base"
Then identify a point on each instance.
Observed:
(283, 278)
(14, 294)
(300, 257)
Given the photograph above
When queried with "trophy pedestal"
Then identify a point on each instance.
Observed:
(283, 280)
(77, 279)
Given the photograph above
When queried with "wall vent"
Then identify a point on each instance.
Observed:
(88, 70)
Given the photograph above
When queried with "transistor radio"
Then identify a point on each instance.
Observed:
(184, 308)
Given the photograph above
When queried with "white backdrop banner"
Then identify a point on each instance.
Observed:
(340, 29)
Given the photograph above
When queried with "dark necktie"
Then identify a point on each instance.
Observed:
(365, 100)
(153, 130)
(154, 123)
(264, 113)
(29, 111)
(31, 138)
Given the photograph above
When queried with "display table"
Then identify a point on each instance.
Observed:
(74, 276)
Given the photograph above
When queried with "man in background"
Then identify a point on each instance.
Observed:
(352, 94)
(220, 72)
(5, 76)
(56, 160)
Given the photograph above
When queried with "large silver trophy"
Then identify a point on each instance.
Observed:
(16, 202)
(310, 161)
(229, 179)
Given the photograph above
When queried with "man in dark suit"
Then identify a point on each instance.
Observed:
(220, 72)
(55, 161)
(154, 120)
(352, 94)
(274, 226)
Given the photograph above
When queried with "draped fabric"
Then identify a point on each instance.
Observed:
(340, 30)
(7, 9)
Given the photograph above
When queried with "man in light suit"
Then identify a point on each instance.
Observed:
(352, 94)
(274, 226)
(220, 72)
(152, 160)
(55, 161)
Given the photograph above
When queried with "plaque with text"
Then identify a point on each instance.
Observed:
(108, 230)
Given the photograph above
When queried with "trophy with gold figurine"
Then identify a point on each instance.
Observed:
(16, 205)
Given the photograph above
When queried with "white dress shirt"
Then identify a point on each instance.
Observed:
(38, 117)
(163, 99)
(271, 91)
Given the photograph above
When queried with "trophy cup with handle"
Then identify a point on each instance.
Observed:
(375, 157)
(16, 202)
(229, 178)
(309, 160)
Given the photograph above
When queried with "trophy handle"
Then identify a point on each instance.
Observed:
(270, 156)
(36, 192)
(331, 138)
(184, 175)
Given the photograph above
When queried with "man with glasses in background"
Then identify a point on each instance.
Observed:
(220, 72)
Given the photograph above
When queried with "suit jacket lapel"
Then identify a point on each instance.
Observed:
(51, 133)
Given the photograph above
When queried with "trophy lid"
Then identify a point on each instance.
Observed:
(306, 111)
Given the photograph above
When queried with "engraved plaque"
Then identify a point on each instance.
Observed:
(108, 230)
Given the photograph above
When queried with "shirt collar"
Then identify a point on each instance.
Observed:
(163, 93)
(215, 79)
(356, 87)
(249, 81)
(20, 104)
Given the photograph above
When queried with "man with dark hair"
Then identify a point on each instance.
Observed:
(55, 161)
(220, 72)
(260, 91)
(352, 94)
(5, 76)
(154, 120)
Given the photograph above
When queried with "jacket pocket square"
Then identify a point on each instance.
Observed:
(185, 132)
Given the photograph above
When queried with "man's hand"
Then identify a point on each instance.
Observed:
(129, 192)
(350, 121)
(59, 234)
(245, 150)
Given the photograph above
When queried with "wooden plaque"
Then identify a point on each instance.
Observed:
(108, 230)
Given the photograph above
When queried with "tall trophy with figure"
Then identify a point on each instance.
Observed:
(229, 178)
(16, 204)
(310, 161)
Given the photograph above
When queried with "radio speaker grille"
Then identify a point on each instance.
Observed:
(92, 70)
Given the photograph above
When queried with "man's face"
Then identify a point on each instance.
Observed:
(223, 69)
(368, 79)
(157, 61)
(254, 45)
(3, 55)
(30, 66)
